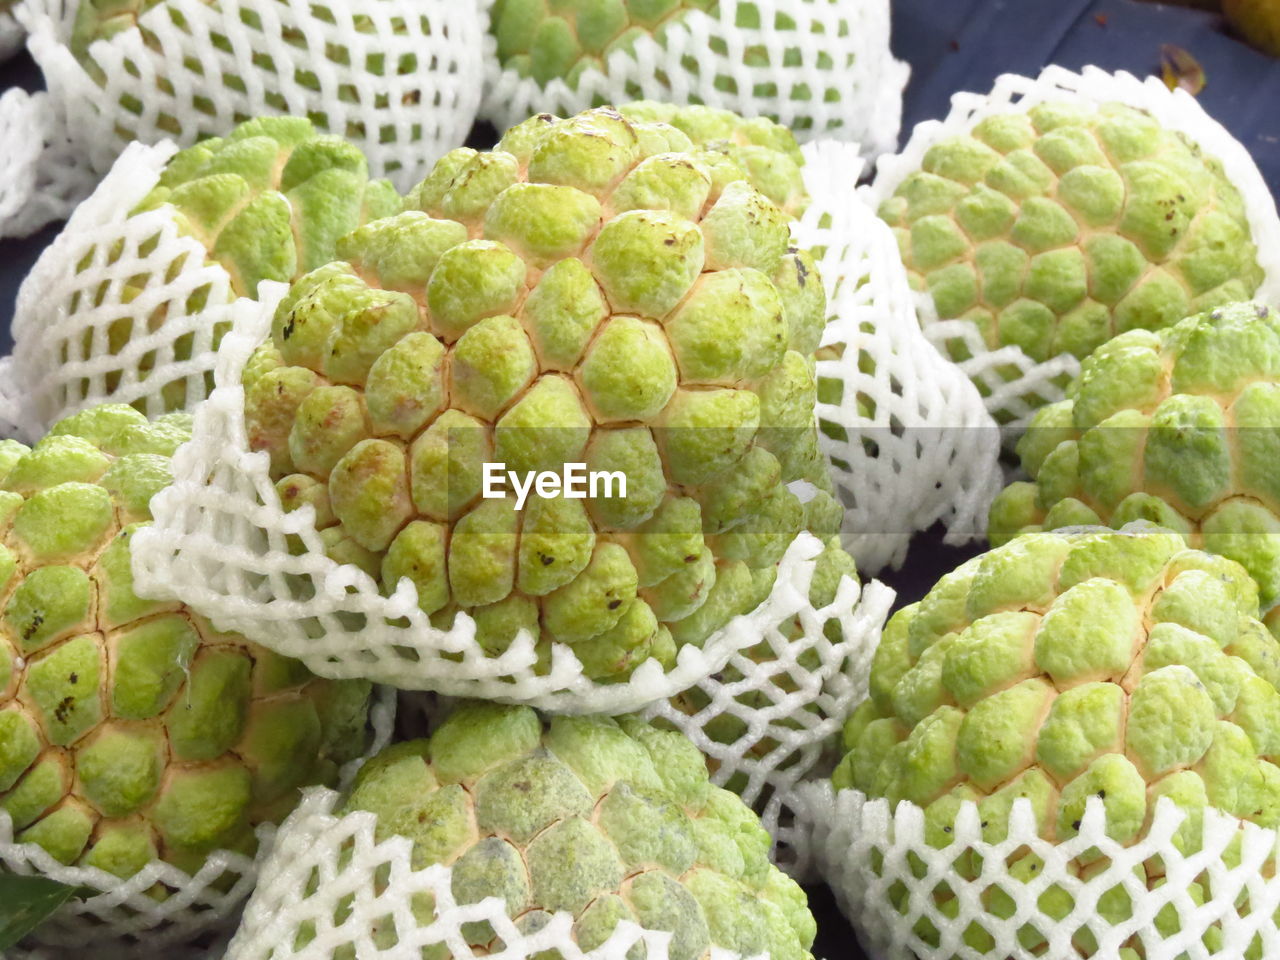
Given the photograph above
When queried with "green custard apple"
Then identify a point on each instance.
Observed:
(267, 202)
(131, 729)
(1057, 228)
(1059, 667)
(608, 820)
(597, 290)
(559, 39)
(1180, 427)
(271, 199)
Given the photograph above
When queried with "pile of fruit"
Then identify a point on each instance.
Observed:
(620, 300)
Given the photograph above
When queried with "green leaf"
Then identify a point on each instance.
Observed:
(26, 902)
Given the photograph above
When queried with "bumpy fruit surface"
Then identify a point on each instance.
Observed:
(1180, 427)
(607, 820)
(130, 729)
(596, 290)
(271, 199)
(1055, 229)
(558, 39)
(1121, 665)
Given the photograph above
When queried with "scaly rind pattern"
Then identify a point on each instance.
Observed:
(1180, 427)
(1055, 229)
(558, 39)
(609, 820)
(130, 729)
(1058, 667)
(595, 290)
(271, 199)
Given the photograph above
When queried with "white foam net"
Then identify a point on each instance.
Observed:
(161, 906)
(219, 542)
(42, 176)
(400, 81)
(920, 446)
(1016, 395)
(908, 900)
(328, 885)
(110, 312)
(827, 70)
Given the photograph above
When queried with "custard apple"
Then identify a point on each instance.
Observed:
(1055, 229)
(559, 39)
(268, 202)
(131, 729)
(597, 291)
(271, 199)
(1059, 667)
(608, 820)
(1180, 427)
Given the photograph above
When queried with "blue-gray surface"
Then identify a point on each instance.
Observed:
(964, 45)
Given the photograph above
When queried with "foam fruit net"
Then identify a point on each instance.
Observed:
(402, 88)
(918, 446)
(324, 865)
(41, 175)
(771, 719)
(907, 901)
(1014, 384)
(822, 69)
(126, 918)
(104, 267)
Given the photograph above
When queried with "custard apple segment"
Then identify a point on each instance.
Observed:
(608, 820)
(1178, 427)
(131, 729)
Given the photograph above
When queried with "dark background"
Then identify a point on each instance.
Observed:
(955, 45)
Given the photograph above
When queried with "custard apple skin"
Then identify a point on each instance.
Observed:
(271, 199)
(131, 729)
(1055, 229)
(267, 202)
(1058, 667)
(559, 39)
(1180, 427)
(609, 820)
(596, 290)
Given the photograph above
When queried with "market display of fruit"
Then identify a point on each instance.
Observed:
(566, 395)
